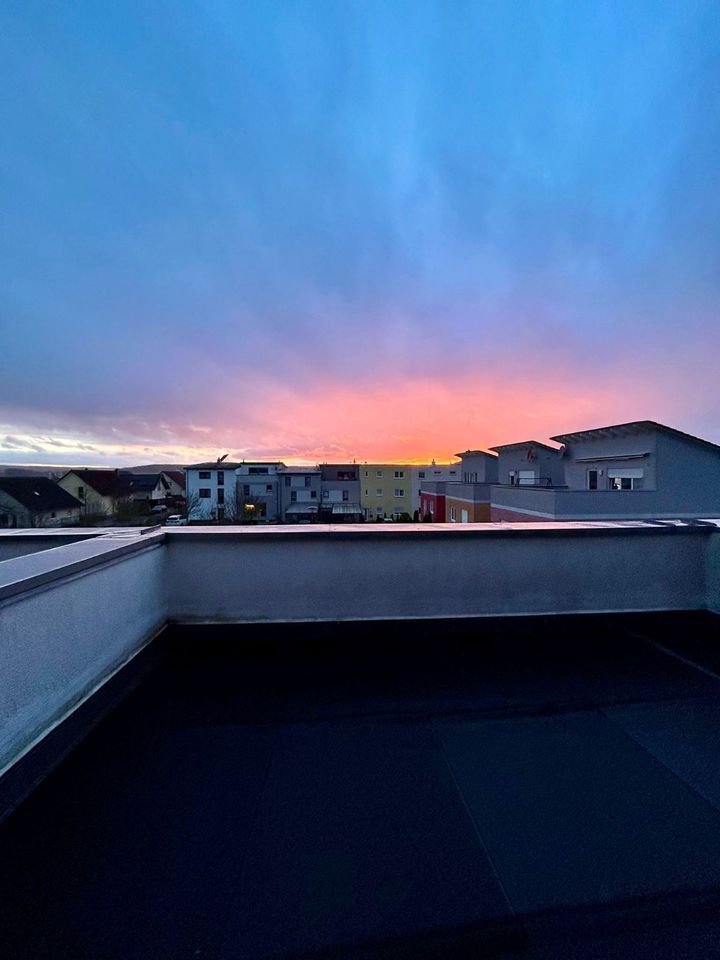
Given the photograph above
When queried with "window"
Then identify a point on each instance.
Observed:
(399, 492)
(221, 477)
(313, 494)
(346, 475)
(268, 488)
(346, 495)
(452, 514)
(378, 509)
(287, 481)
(625, 479)
(293, 495)
(421, 474)
(204, 493)
(221, 496)
(367, 474)
(592, 478)
(378, 492)
(308, 481)
(204, 474)
(526, 477)
(246, 489)
(81, 493)
(379, 473)
(52, 515)
(399, 474)
(257, 470)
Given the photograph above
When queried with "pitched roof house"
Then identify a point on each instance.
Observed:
(36, 502)
(98, 490)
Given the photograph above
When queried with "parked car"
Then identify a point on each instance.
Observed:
(175, 520)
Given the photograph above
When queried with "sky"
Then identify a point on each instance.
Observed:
(335, 229)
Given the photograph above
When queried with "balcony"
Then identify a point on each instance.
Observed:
(369, 742)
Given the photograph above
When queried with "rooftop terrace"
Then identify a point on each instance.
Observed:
(490, 779)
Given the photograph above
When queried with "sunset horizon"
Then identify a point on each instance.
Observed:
(386, 232)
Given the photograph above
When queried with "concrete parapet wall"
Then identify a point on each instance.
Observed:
(459, 571)
(69, 617)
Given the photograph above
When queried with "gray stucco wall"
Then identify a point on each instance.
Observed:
(462, 571)
(545, 463)
(59, 640)
(297, 484)
(688, 476)
(483, 466)
(576, 473)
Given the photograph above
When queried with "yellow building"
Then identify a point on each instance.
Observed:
(386, 490)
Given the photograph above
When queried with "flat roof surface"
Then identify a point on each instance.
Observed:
(543, 788)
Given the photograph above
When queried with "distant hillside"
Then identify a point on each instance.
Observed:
(12, 470)
(154, 467)
(30, 470)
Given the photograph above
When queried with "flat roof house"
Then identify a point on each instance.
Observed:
(300, 494)
(340, 493)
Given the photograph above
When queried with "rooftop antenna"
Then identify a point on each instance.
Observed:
(223, 457)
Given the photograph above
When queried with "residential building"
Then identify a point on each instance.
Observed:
(467, 499)
(300, 494)
(210, 490)
(529, 463)
(258, 489)
(340, 493)
(99, 491)
(36, 502)
(151, 488)
(176, 483)
(235, 491)
(386, 490)
(431, 472)
(432, 500)
(639, 470)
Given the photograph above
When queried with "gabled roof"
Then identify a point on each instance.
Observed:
(178, 476)
(141, 481)
(631, 428)
(38, 494)
(107, 483)
(524, 445)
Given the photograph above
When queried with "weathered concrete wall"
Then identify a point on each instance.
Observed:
(433, 571)
(68, 618)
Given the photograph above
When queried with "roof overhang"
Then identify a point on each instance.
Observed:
(625, 456)
(524, 445)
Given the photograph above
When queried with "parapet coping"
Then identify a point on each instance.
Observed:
(400, 531)
(21, 574)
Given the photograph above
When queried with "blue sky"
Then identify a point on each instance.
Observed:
(354, 229)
